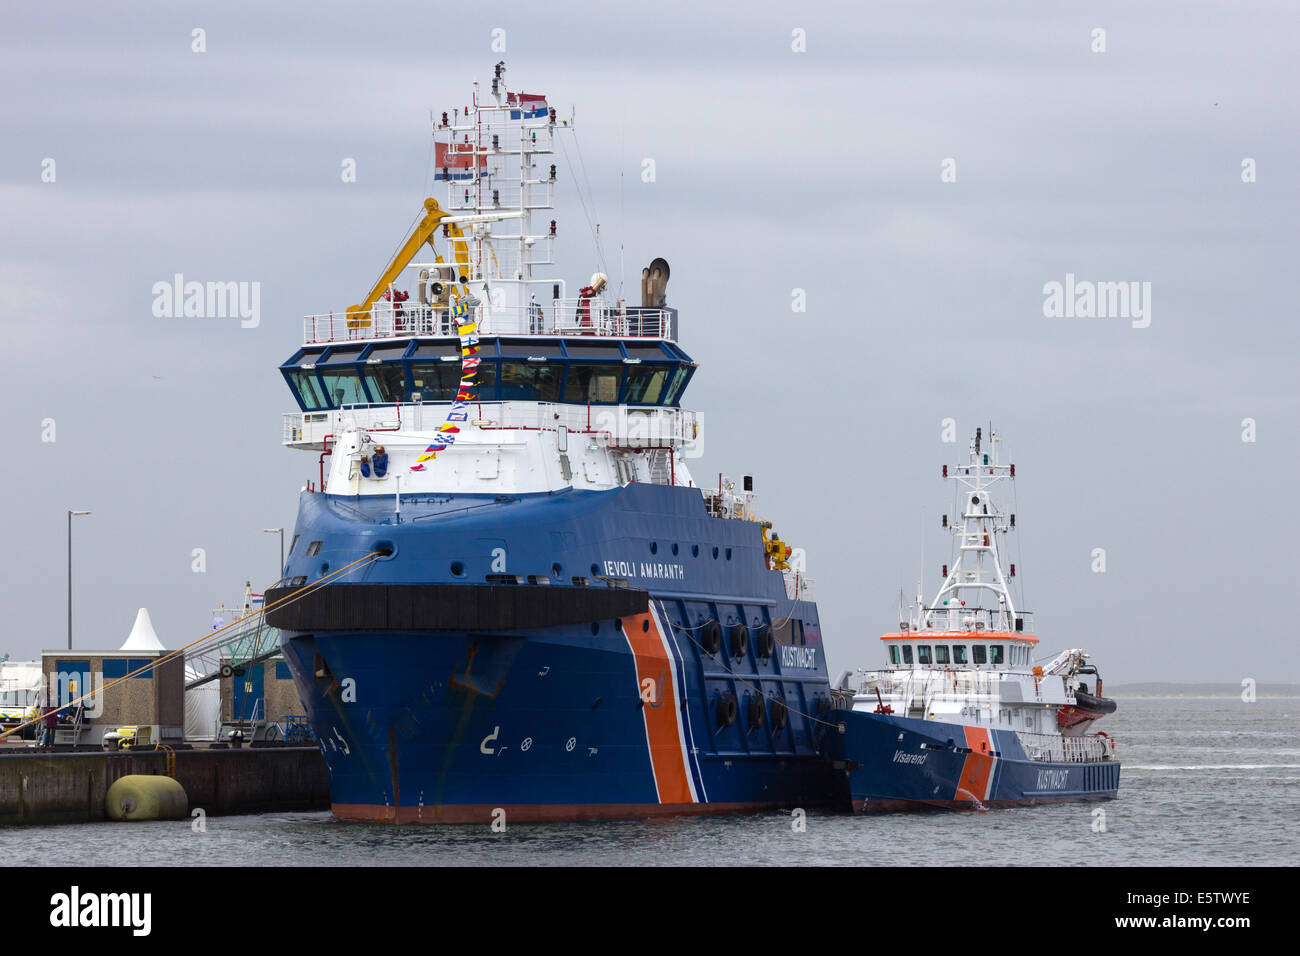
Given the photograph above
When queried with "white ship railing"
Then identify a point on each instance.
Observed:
(1054, 747)
(620, 425)
(577, 317)
(963, 620)
(934, 684)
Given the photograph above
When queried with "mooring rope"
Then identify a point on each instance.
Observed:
(286, 600)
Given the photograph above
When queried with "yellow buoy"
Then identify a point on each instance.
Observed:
(140, 796)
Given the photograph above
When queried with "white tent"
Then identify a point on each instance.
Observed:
(142, 636)
(202, 707)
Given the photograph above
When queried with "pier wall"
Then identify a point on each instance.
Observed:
(41, 788)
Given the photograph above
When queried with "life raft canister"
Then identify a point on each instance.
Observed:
(726, 710)
(711, 636)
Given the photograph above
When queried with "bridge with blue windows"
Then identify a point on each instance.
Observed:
(571, 369)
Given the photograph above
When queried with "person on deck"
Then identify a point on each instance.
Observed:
(48, 725)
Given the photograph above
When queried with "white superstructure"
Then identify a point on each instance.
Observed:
(597, 412)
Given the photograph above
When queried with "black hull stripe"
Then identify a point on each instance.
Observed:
(450, 607)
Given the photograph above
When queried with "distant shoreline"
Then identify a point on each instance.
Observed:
(1216, 691)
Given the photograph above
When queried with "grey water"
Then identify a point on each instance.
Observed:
(1204, 782)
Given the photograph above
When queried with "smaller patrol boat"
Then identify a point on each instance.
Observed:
(961, 716)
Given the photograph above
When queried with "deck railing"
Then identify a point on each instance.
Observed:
(620, 425)
(1053, 747)
(593, 317)
(972, 620)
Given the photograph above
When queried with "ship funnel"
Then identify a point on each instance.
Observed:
(654, 280)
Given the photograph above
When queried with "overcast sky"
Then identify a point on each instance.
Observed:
(775, 170)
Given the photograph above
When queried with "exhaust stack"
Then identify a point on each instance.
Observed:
(654, 280)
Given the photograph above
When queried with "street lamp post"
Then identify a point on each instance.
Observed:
(70, 514)
(280, 532)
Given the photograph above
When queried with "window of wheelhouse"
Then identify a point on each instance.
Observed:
(435, 381)
(308, 389)
(530, 382)
(959, 654)
(979, 653)
(893, 654)
(338, 372)
(383, 373)
(531, 371)
(907, 653)
(941, 653)
(647, 383)
(598, 384)
(997, 654)
(343, 387)
(676, 384)
(923, 654)
(435, 371)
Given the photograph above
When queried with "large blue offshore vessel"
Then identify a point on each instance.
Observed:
(508, 598)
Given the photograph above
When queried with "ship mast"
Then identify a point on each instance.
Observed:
(977, 572)
(497, 158)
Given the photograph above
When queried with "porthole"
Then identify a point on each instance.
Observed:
(458, 568)
(595, 570)
(645, 625)
(715, 553)
(557, 572)
(325, 569)
(595, 627)
(674, 549)
(695, 550)
(654, 547)
(728, 554)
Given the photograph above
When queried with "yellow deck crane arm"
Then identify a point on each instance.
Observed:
(359, 315)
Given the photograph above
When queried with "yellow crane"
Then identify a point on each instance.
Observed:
(776, 551)
(359, 315)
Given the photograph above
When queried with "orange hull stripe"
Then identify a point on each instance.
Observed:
(977, 770)
(652, 663)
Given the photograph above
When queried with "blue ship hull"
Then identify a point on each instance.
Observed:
(600, 718)
(897, 763)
